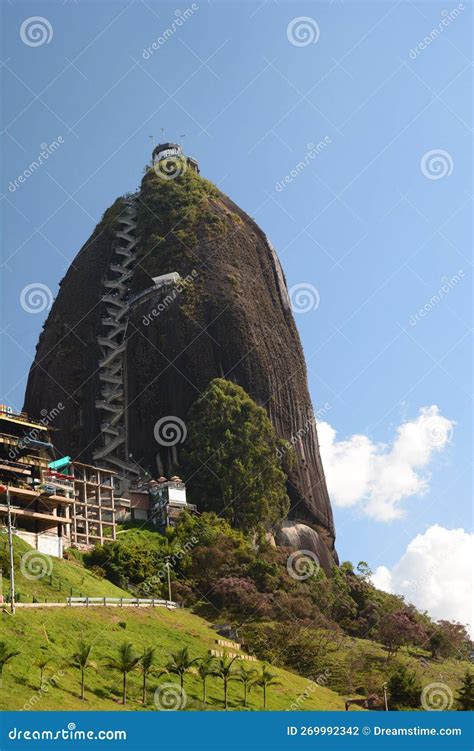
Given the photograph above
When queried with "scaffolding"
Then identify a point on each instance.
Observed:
(93, 513)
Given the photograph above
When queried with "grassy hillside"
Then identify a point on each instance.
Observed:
(51, 579)
(55, 633)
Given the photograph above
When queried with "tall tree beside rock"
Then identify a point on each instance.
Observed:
(231, 461)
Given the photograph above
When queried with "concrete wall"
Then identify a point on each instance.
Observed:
(48, 544)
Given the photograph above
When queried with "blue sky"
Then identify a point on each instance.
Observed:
(376, 222)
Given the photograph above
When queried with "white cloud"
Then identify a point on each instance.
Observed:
(378, 476)
(435, 574)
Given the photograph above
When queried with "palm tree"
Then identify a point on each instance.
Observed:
(81, 660)
(126, 661)
(225, 671)
(246, 677)
(42, 662)
(146, 666)
(206, 668)
(180, 663)
(265, 680)
(5, 656)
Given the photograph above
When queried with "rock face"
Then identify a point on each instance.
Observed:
(229, 316)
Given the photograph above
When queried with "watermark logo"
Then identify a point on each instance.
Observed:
(34, 565)
(437, 697)
(179, 20)
(170, 430)
(36, 297)
(448, 283)
(302, 31)
(436, 430)
(302, 564)
(313, 151)
(170, 167)
(436, 164)
(304, 297)
(36, 31)
(297, 437)
(448, 16)
(170, 297)
(169, 697)
(46, 150)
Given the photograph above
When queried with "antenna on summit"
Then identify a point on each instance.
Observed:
(182, 135)
(152, 140)
(163, 135)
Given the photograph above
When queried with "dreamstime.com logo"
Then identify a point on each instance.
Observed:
(179, 20)
(302, 564)
(170, 430)
(447, 17)
(437, 697)
(313, 151)
(436, 164)
(436, 430)
(67, 734)
(169, 697)
(36, 297)
(170, 167)
(36, 31)
(35, 565)
(302, 31)
(47, 149)
(304, 297)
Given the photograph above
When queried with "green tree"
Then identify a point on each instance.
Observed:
(206, 668)
(180, 663)
(226, 672)
(124, 663)
(265, 680)
(5, 656)
(246, 676)
(466, 693)
(404, 688)
(147, 661)
(42, 663)
(80, 659)
(231, 458)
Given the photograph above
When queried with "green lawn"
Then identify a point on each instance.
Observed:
(55, 633)
(61, 576)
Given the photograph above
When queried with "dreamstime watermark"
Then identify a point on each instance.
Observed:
(44, 690)
(47, 416)
(47, 149)
(302, 564)
(313, 151)
(36, 31)
(448, 284)
(304, 297)
(66, 734)
(170, 696)
(170, 167)
(177, 289)
(171, 561)
(312, 685)
(309, 423)
(35, 565)
(181, 18)
(436, 430)
(302, 31)
(448, 16)
(436, 164)
(437, 697)
(170, 430)
(36, 297)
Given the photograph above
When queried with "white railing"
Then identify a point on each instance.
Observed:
(120, 602)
